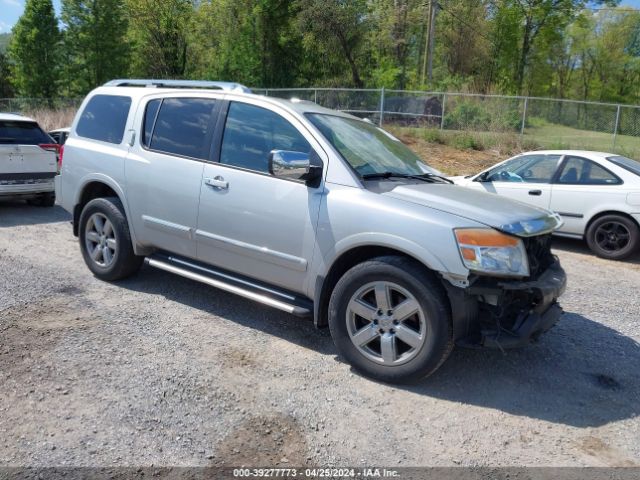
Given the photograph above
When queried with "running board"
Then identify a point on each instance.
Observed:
(252, 290)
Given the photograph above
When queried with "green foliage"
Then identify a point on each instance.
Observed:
(33, 50)
(94, 43)
(6, 90)
(5, 38)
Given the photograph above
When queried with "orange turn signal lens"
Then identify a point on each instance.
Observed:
(468, 253)
(483, 237)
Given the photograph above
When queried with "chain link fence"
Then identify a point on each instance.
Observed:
(546, 122)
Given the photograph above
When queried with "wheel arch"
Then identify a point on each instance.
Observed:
(341, 264)
(609, 212)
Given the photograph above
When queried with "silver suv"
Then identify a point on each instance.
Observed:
(311, 211)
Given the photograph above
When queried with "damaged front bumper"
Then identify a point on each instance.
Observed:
(499, 313)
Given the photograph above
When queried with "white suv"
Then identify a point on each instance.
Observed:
(28, 160)
(311, 211)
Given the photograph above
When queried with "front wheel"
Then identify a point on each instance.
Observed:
(390, 319)
(613, 236)
(105, 240)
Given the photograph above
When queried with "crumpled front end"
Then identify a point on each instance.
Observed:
(503, 313)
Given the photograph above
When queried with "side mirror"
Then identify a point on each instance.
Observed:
(292, 165)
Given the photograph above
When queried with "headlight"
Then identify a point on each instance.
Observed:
(488, 251)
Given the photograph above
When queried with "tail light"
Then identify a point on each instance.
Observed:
(60, 153)
(57, 149)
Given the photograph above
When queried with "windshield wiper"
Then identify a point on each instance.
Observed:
(425, 177)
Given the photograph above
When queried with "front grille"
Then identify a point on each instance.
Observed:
(539, 254)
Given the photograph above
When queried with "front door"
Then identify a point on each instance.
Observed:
(526, 178)
(164, 171)
(249, 221)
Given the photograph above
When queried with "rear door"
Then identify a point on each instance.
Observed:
(526, 178)
(164, 170)
(22, 158)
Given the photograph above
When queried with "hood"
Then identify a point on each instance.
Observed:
(493, 210)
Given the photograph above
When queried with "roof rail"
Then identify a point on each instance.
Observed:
(137, 82)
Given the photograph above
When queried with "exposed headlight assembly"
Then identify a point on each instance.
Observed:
(489, 252)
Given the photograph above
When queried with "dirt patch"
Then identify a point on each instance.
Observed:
(596, 447)
(451, 160)
(273, 441)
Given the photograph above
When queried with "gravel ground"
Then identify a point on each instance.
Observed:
(161, 370)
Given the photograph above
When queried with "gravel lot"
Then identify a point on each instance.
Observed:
(161, 370)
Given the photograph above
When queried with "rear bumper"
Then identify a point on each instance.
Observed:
(509, 314)
(26, 188)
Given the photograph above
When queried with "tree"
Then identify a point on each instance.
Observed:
(95, 43)
(338, 26)
(5, 75)
(33, 50)
(158, 31)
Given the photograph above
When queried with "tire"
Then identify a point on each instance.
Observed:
(43, 200)
(95, 236)
(614, 237)
(407, 356)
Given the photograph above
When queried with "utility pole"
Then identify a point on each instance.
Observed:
(427, 39)
(432, 41)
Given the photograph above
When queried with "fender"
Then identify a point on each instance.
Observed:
(111, 183)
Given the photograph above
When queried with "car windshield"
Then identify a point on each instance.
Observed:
(628, 164)
(369, 149)
(22, 133)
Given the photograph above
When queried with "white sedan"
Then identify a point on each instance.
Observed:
(596, 194)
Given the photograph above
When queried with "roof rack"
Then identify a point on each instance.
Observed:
(227, 86)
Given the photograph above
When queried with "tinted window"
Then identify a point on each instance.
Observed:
(22, 133)
(527, 168)
(182, 125)
(252, 132)
(150, 120)
(580, 171)
(632, 165)
(104, 118)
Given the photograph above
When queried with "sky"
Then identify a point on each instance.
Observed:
(10, 11)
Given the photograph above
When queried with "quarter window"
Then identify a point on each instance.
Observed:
(181, 127)
(580, 171)
(104, 118)
(252, 132)
(150, 116)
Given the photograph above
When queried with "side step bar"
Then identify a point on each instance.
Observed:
(224, 281)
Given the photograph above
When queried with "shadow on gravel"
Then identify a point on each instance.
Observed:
(231, 307)
(581, 373)
(16, 212)
(580, 246)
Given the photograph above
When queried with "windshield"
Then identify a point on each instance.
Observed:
(367, 148)
(632, 165)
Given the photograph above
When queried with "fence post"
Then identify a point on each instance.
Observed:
(266, 92)
(381, 106)
(524, 117)
(615, 129)
(315, 96)
(444, 101)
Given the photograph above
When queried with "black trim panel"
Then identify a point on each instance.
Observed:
(571, 215)
(27, 176)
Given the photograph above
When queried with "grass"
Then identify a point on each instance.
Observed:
(562, 137)
(50, 119)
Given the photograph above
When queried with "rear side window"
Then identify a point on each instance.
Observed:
(580, 171)
(632, 165)
(21, 133)
(181, 127)
(104, 118)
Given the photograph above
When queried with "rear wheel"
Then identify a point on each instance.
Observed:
(105, 240)
(390, 319)
(613, 236)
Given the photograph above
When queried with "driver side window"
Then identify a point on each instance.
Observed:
(535, 168)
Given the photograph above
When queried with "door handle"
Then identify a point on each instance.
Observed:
(217, 182)
(537, 193)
